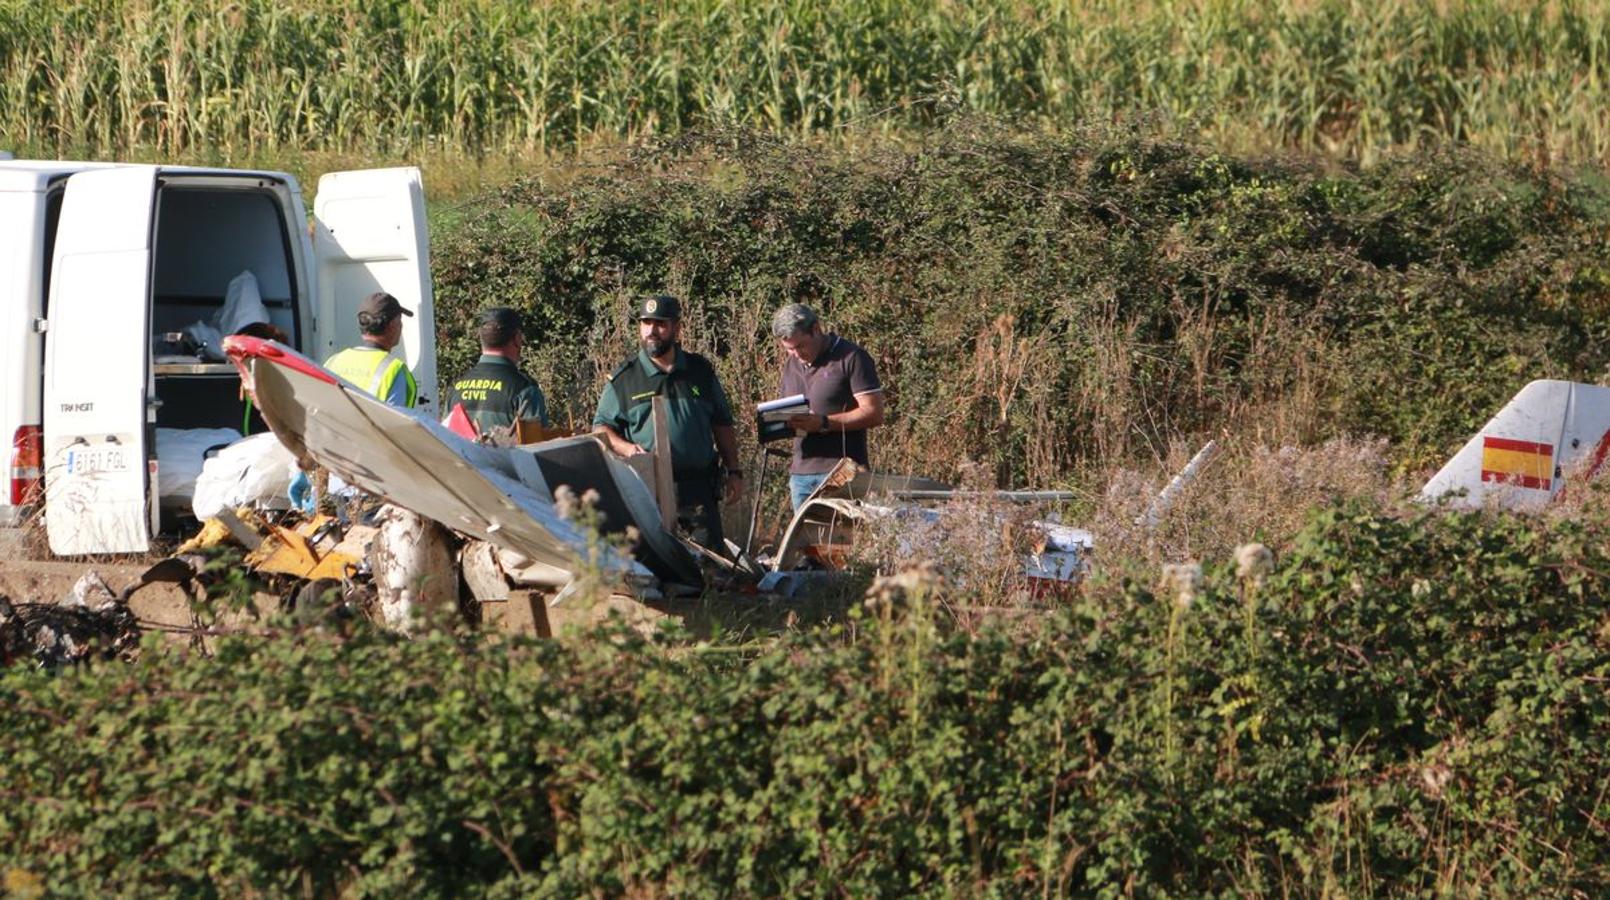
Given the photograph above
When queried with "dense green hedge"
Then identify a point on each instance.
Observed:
(1404, 706)
(1038, 301)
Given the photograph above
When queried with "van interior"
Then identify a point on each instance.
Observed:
(206, 238)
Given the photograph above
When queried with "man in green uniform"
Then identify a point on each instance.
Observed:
(494, 392)
(704, 447)
(370, 365)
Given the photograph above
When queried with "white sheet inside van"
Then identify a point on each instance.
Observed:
(181, 453)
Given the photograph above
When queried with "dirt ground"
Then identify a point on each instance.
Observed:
(24, 578)
(27, 578)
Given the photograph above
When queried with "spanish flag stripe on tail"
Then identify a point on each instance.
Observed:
(1498, 443)
(1523, 463)
(1599, 453)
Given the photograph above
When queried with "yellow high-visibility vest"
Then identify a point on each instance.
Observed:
(375, 370)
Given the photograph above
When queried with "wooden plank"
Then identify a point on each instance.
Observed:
(664, 481)
(643, 465)
(524, 612)
(535, 609)
(532, 431)
(581, 613)
(248, 536)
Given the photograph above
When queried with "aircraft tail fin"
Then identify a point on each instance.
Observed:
(1550, 433)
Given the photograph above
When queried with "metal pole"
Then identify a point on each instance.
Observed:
(754, 508)
(1004, 496)
(1165, 499)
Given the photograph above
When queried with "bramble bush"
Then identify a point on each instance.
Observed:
(1051, 304)
(1404, 705)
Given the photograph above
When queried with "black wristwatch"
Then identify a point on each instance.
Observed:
(825, 423)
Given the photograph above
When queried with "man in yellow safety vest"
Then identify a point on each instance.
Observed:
(372, 368)
(370, 365)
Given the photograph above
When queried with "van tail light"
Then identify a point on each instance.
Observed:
(25, 465)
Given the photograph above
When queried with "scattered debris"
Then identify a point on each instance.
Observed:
(531, 530)
(90, 623)
(501, 495)
(853, 498)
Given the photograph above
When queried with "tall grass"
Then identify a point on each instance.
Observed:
(105, 77)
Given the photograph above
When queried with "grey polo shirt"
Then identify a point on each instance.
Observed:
(830, 384)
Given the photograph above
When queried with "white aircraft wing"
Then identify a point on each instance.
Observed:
(497, 494)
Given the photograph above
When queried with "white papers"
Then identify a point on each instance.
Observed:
(779, 410)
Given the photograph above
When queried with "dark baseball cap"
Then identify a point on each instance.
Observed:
(659, 306)
(382, 305)
(504, 317)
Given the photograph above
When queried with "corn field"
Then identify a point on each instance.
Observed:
(238, 79)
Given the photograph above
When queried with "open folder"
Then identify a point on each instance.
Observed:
(771, 417)
(779, 410)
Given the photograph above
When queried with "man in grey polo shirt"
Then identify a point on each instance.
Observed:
(841, 389)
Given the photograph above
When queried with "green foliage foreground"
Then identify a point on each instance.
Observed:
(1405, 705)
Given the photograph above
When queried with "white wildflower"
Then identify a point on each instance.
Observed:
(1253, 562)
(913, 579)
(1434, 778)
(1185, 580)
(564, 501)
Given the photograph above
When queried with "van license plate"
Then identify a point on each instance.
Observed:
(97, 460)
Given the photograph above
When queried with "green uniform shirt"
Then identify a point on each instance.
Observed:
(695, 405)
(495, 392)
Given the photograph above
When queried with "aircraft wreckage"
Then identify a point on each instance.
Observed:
(502, 519)
(510, 504)
(541, 534)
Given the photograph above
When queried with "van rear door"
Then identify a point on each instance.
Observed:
(370, 235)
(97, 377)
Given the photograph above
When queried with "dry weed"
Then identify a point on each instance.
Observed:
(1249, 491)
(1585, 497)
(978, 540)
(29, 540)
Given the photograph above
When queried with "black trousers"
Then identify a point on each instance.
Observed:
(698, 512)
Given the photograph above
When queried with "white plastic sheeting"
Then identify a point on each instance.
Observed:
(243, 304)
(256, 471)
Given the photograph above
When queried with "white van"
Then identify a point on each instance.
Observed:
(107, 264)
